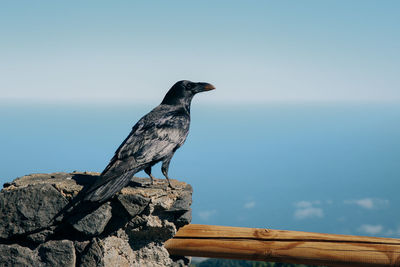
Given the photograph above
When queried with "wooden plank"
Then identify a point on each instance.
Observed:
(211, 231)
(284, 246)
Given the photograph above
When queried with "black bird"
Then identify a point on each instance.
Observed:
(153, 139)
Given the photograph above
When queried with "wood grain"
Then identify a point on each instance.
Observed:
(284, 246)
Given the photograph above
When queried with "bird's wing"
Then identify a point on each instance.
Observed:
(151, 139)
(155, 136)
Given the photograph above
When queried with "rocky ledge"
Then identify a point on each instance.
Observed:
(128, 230)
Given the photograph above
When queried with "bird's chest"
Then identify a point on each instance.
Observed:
(175, 130)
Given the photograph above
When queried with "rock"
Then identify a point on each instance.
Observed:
(128, 230)
(133, 204)
(16, 255)
(40, 237)
(120, 249)
(94, 223)
(29, 208)
(92, 256)
(57, 253)
(49, 254)
(186, 218)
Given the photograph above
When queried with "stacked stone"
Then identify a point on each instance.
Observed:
(128, 230)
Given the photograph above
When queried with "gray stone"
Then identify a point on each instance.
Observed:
(180, 205)
(93, 256)
(16, 255)
(180, 261)
(50, 254)
(133, 204)
(28, 208)
(57, 253)
(186, 218)
(80, 247)
(128, 230)
(40, 237)
(94, 223)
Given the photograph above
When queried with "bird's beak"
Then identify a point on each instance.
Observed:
(208, 87)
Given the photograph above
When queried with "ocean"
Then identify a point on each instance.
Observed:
(326, 167)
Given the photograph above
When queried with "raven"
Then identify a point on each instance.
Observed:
(154, 138)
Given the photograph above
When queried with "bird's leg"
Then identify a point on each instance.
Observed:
(166, 176)
(148, 171)
(164, 170)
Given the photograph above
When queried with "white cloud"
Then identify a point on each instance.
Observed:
(393, 233)
(306, 204)
(370, 229)
(206, 214)
(365, 203)
(307, 209)
(249, 205)
(310, 212)
(369, 203)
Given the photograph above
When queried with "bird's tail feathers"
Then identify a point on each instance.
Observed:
(91, 197)
(105, 189)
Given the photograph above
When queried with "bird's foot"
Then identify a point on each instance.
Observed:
(170, 185)
(150, 184)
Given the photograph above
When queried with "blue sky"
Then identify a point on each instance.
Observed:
(253, 51)
(301, 133)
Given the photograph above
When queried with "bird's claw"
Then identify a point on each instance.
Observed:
(170, 185)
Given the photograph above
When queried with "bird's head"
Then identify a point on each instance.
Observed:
(183, 92)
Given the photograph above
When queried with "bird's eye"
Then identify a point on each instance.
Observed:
(189, 86)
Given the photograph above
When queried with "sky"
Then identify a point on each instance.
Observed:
(301, 133)
(253, 51)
